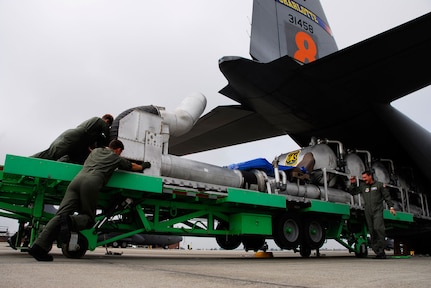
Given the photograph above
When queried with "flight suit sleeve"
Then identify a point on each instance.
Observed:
(387, 196)
(353, 189)
(125, 164)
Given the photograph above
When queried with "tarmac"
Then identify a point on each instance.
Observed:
(142, 267)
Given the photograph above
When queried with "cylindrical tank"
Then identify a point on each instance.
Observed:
(323, 155)
(381, 173)
(177, 167)
(311, 191)
(355, 165)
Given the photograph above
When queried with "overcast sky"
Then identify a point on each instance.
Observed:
(62, 62)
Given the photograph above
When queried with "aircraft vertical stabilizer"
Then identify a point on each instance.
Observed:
(298, 29)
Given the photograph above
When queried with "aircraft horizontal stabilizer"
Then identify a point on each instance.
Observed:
(220, 128)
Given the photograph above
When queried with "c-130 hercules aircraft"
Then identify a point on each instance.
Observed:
(299, 84)
(299, 199)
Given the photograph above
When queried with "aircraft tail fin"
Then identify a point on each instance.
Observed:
(297, 28)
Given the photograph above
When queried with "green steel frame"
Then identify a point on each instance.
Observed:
(27, 184)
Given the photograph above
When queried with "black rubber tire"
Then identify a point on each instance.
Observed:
(287, 231)
(227, 242)
(363, 251)
(305, 251)
(83, 247)
(254, 243)
(314, 233)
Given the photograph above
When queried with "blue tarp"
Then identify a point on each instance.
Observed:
(261, 164)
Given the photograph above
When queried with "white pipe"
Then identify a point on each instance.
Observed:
(185, 115)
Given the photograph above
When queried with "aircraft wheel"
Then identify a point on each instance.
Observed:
(253, 242)
(287, 231)
(82, 248)
(363, 251)
(227, 242)
(314, 233)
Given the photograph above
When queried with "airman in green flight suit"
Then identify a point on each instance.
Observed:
(77, 210)
(374, 194)
(73, 145)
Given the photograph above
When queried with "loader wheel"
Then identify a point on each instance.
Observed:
(80, 251)
(362, 252)
(314, 233)
(287, 231)
(227, 242)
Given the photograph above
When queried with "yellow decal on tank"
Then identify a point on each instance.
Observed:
(292, 158)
